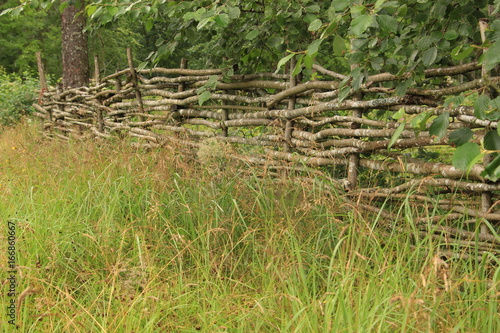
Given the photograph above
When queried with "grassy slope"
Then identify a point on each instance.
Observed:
(115, 240)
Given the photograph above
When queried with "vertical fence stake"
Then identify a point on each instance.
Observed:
(225, 116)
(41, 72)
(118, 84)
(180, 88)
(353, 163)
(184, 65)
(291, 106)
(43, 81)
(97, 81)
(97, 72)
(133, 74)
(486, 201)
(225, 113)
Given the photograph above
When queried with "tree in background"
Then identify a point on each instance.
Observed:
(75, 58)
(39, 29)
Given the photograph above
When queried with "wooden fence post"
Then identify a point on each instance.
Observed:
(291, 106)
(41, 72)
(97, 71)
(135, 82)
(184, 65)
(225, 116)
(43, 81)
(486, 201)
(97, 81)
(225, 112)
(353, 163)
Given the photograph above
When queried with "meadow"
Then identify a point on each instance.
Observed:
(111, 238)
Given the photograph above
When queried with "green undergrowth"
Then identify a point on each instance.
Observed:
(115, 239)
(17, 94)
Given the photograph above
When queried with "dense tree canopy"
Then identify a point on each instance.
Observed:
(394, 36)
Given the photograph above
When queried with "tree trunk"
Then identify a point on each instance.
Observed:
(74, 49)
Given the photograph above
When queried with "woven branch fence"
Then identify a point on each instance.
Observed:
(289, 122)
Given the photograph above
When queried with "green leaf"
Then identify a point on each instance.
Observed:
(491, 141)
(308, 61)
(313, 9)
(340, 5)
(46, 4)
(65, 4)
(112, 10)
(159, 42)
(360, 24)
(461, 136)
(424, 42)
(440, 125)
(481, 106)
(461, 52)
(16, 11)
(283, 61)
(222, 20)
(343, 93)
(198, 15)
(397, 134)
(379, 3)
(252, 34)
(212, 82)
(357, 78)
(387, 23)
(451, 35)
(90, 8)
(203, 97)
(142, 66)
(403, 86)
(377, 63)
(492, 56)
(492, 170)
(233, 12)
(189, 16)
(315, 25)
(149, 24)
(419, 122)
(495, 104)
(312, 49)
(429, 56)
(203, 23)
(400, 114)
(298, 65)
(466, 156)
(339, 46)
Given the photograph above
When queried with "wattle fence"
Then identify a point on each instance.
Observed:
(280, 120)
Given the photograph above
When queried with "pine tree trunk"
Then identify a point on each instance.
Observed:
(74, 49)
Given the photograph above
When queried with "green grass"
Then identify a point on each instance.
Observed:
(112, 239)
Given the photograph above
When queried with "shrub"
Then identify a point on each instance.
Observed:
(17, 94)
